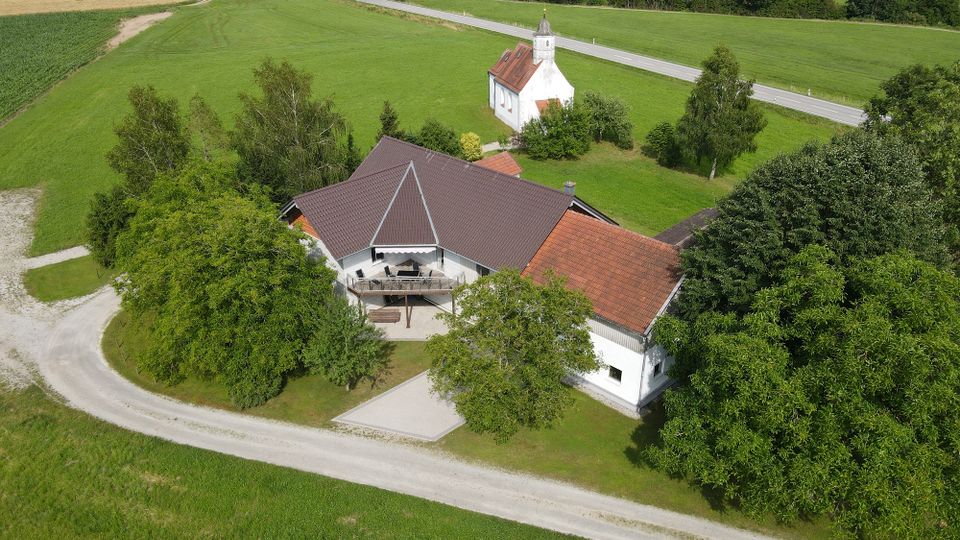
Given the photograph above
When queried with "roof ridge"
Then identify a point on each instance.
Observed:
(653, 241)
(312, 191)
(483, 169)
(392, 200)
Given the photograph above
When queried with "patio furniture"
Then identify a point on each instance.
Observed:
(416, 267)
(384, 315)
(408, 273)
(386, 270)
(360, 274)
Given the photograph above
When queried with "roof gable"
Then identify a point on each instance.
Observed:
(515, 68)
(627, 276)
(407, 219)
(491, 218)
(502, 162)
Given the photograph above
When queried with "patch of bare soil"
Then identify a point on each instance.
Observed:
(20, 7)
(134, 26)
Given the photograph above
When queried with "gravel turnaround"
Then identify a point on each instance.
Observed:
(842, 114)
(61, 343)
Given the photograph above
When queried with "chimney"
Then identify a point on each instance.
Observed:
(569, 188)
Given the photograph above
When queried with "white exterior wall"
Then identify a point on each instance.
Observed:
(514, 109)
(506, 105)
(637, 381)
(454, 266)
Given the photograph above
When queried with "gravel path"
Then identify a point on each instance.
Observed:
(817, 107)
(61, 343)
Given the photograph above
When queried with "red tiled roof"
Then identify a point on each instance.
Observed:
(627, 276)
(301, 223)
(514, 68)
(502, 162)
(542, 104)
(489, 217)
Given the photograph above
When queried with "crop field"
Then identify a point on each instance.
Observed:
(64, 474)
(428, 70)
(837, 60)
(18, 7)
(39, 50)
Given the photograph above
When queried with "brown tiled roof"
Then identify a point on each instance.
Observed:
(514, 68)
(502, 162)
(492, 218)
(681, 234)
(627, 276)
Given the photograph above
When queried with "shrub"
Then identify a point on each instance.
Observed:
(108, 217)
(438, 137)
(662, 145)
(346, 348)
(470, 146)
(608, 120)
(561, 132)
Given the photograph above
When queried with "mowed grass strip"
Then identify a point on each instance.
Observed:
(64, 474)
(593, 446)
(39, 50)
(67, 279)
(837, 60)
(358, 56)
(306, 399)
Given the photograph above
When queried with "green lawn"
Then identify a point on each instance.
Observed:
(838, 60)
(40, 49)
(67, 279)
(64, 474)
(593, 446)
(360, 57)
(306, 399)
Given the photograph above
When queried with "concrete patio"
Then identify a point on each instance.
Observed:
(409, 409)
(423, 322)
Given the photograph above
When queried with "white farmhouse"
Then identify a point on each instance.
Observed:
(411, 224)
(524, 81)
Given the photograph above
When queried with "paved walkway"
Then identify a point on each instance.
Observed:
(842, 114)
(410, 409)
(53, 258)
(61, 343)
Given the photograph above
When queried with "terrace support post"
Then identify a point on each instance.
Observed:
(406, 308)
(453, 302)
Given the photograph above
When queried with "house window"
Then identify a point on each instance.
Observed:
(374, 256)
(614, 373)
(500, 93)
(657, 368)
(509, 102)
(441, 257)
(482, 270)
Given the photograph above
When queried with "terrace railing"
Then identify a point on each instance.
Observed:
(422, 285)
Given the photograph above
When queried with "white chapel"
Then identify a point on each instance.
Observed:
(525, 80)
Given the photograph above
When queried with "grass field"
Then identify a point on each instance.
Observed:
(64, 474)
(39, 50)
(358, 56)
(593, 446)
(67, 279)
(838, 60)
(307, 399)
(18, 7)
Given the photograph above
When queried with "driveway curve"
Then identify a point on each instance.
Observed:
(61, 343)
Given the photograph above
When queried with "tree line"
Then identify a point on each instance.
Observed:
(919, 12)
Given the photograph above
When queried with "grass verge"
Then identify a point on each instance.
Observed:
(67, 279)
(306, 399)
(64, 474)
(593, 446)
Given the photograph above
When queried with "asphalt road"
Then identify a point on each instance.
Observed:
(842, 114)
(61, 343)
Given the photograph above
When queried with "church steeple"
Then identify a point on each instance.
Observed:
(543, 41)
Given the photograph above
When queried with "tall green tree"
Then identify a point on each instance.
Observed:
(922, 105)
(151, 139)
(346, 348)
(286, 139)
(837, 393)
(508, 350)
(609, 120)
(232, 294)
(109, 214)
(721, 121)
(860, 195)
(212, 140)
(390, 123)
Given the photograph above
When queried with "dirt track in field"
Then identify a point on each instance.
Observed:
(20, 7)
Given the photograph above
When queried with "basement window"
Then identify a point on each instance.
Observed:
(657, 368)
(615, 373)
